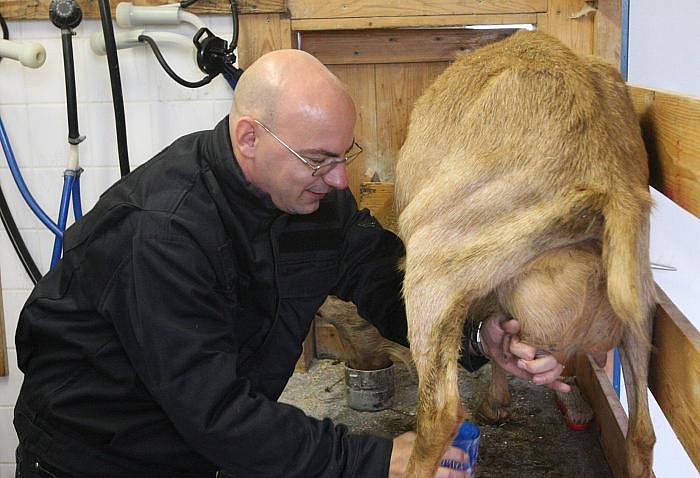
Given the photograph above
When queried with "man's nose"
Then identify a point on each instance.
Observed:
(337, 177)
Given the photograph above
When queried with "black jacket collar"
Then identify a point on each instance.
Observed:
(239, 192)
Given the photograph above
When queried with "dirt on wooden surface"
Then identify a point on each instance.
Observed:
(533, 443)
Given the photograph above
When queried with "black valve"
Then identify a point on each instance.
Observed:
(214, 55)
(65, 13)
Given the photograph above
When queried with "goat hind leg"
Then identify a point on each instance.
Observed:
(639, 445)
(435, 328)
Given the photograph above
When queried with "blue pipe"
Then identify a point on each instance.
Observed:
(17, 175)
(624, 63)
(68, 180)
(77, 205)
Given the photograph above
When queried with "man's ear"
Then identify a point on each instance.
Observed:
(245, 137)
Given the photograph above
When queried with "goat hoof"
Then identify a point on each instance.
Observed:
(492, 412)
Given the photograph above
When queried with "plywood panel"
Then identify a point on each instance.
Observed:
(260, 34)
(398, 87)
(39, 9)
(360, 80)
(371, 23)
(396, 46)
(607, 36)
(674, 373)
(379, 198)
(671, 130)
(390, 8)
(577, 33)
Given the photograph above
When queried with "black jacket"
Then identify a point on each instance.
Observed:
(159, 344)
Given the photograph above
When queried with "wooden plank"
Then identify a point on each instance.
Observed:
(607, 36)
(393, 8)
(424, 21)
(577, 33)
(260, 34)
(610, 417)
(674, 378)
(360, 81)
(378, 197)
(398, 87)
(396, 46)
(674, 373)
(671, 129)
(39, 9)
(308, 351)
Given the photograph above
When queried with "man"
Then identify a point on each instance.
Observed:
(158, 346)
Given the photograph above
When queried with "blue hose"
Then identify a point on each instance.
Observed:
(31, 202)
(77, 205)
(68, 180)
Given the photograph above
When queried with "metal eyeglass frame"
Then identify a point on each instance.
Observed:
(347, 159)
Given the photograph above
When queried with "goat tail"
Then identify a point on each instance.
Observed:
(630, 285)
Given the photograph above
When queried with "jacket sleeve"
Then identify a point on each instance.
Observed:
(178, 333)
(370, 276)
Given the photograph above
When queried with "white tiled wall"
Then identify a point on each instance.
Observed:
(32, 107)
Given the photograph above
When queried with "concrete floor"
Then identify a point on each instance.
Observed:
(534, 443)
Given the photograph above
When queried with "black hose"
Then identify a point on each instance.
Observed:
(159, 56)
(234, 18)
(16, 239)
(71, 97)
(5, 30)
(117, 97)
(8, 221)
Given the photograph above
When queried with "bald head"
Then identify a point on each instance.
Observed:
(286, 85)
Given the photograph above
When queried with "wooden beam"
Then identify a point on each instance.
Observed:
(396, 46)
(424, 21)
(39, 9)
(610, 417)
(674, 373)
(395, 8)
(4, 367)
(671, 129)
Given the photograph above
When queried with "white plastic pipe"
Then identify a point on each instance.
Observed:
(190, 18)
(130, 39)
(122, 38)
(129, 16)
(30, 54)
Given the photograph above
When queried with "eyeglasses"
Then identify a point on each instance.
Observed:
(317, 166)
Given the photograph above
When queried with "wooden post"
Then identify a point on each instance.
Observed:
(4, 368)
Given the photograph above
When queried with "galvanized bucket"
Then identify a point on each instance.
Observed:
(370, 390)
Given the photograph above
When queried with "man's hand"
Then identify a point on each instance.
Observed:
(403, 445)
(501, 343)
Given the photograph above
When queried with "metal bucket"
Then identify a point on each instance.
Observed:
(370, 390)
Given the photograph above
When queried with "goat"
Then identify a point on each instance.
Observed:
(522, 189)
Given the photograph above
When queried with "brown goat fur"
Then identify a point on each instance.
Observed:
(523, 181)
